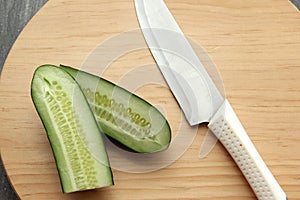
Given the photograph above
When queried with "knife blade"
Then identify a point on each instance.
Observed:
(199, 97)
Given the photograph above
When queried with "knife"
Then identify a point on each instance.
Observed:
(198, 96)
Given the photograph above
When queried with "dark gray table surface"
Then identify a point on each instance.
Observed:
(14, 15)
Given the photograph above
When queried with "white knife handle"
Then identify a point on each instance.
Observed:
(227, 127)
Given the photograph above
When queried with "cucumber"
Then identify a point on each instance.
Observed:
(73, 133)
(122, 115)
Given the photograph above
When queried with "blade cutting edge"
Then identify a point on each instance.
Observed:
(186, 76)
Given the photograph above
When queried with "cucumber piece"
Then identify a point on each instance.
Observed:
(122, 115)
(73, 133)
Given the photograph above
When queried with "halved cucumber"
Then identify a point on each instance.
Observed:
(122, 115)
(74, 135)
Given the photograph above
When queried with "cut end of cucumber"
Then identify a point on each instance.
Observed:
(74, 135)
(122, 115)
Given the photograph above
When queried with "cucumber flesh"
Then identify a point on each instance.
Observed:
(122, 115)
(73, 133)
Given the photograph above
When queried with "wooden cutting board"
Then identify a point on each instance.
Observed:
(256, 46)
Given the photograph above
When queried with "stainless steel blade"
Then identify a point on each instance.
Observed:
(198, 95)
(188, 79)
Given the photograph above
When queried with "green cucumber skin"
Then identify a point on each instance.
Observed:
(160, 132)
(98, 154)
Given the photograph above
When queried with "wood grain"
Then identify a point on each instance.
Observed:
(256, 48)
(14, 16)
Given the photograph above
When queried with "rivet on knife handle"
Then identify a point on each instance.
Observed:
(227, 127)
